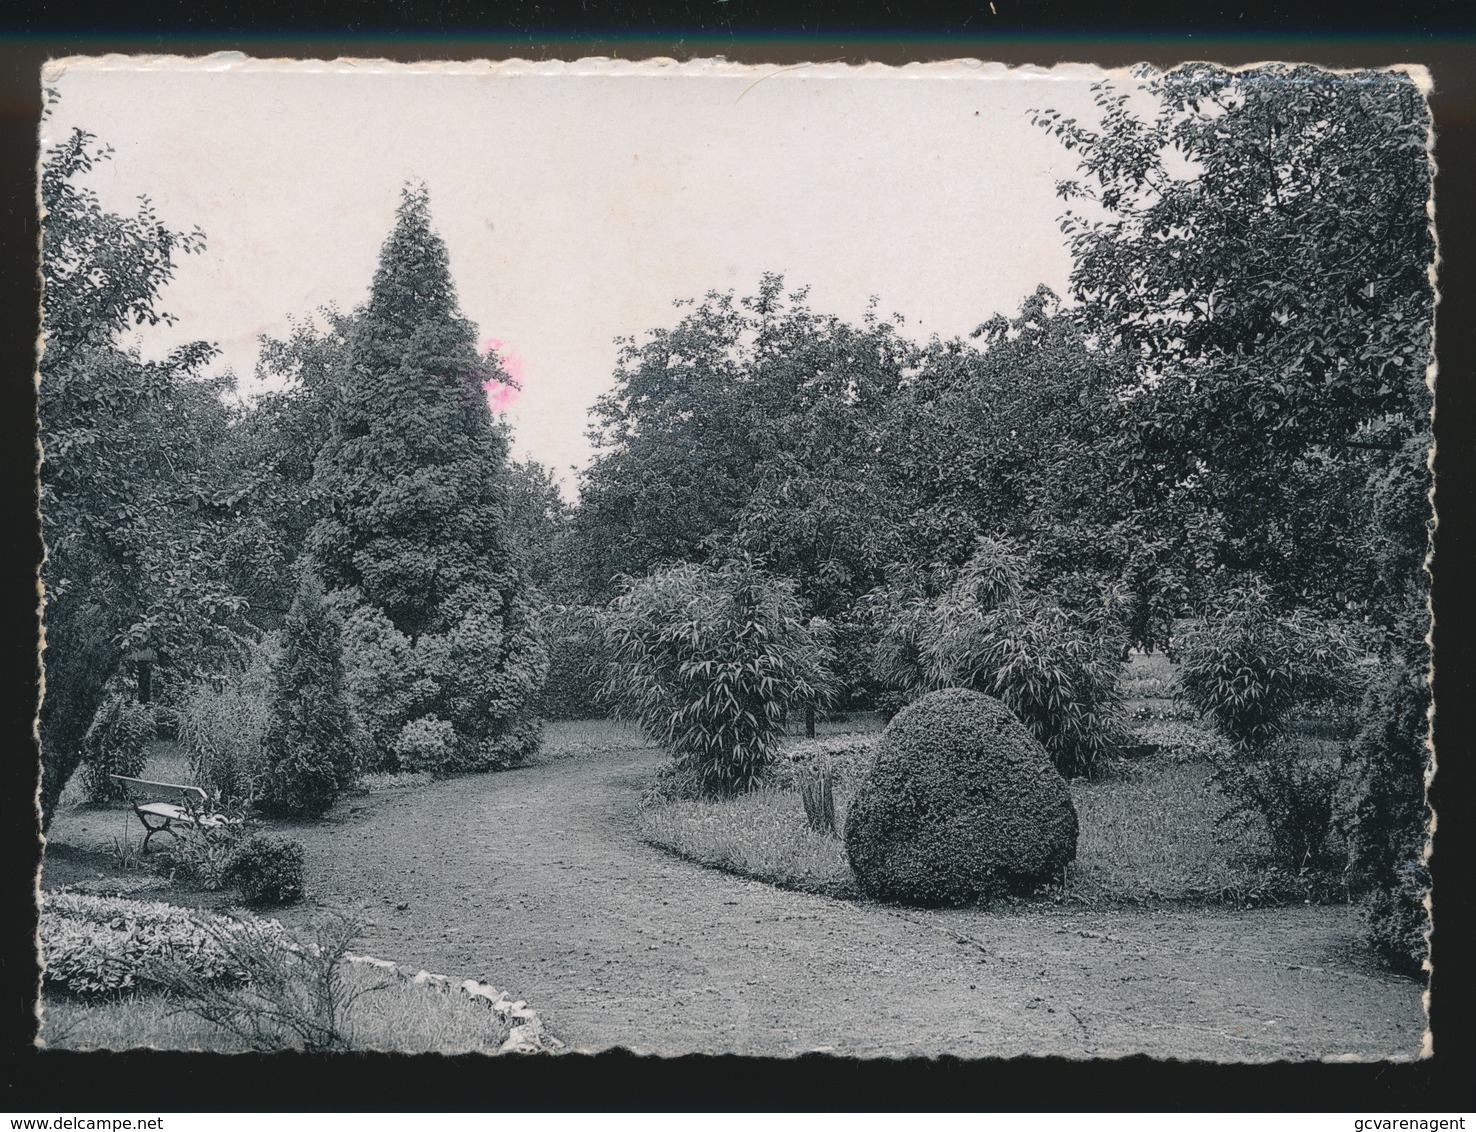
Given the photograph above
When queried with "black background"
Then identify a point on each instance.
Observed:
(1441, 35)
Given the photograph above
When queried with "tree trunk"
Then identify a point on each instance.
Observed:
(809, 721)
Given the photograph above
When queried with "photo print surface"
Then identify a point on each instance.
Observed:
(709, 558)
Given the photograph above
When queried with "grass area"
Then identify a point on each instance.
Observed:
(585, 738)
(394, 1015)
(1153, 829)
(762, 835)
(1156, 832)
(1153, 833)
(1149, 677)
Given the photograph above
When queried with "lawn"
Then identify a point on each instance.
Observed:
(1153, 829)
(393, 1015)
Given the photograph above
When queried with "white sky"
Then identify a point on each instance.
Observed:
(579, 200)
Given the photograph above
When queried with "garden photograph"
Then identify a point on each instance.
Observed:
(701, 558)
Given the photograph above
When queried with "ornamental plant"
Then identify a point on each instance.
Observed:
(1055, 667)
(115, 744)
(710, 660)
(309, 754)
(415, 545)
(1250, 669)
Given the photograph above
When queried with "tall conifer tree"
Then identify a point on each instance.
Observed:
(309, 738)
(412, 481)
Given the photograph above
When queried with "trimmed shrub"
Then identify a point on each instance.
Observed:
(268, 870)
(499, 751)
(222, 724)
(710, 661)
(308, 747)
(425, 744)
(961, 804)
(460, 677)
(95, 945)
(115, 744)
(577, 658)
(376, 659)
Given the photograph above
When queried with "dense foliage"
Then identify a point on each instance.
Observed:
(94, 945)
(1248, 668)
(268, 870)
(709, 661)
(308, 741)
(131, 509)
(1265, 258)
(1261, 247)
(1387, 823)
(578, 654)
(115, 744)
(961, 804)
(437, 605)
(223, 722)
(1055, 665)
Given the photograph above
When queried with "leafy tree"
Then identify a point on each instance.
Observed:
(308, 738)
(1265, 257)
(1250, 669)
(751, 424)
(415, 536)
(271, 450)
(710, 661)
(1262, 247)
(537, 527)
(131, 511)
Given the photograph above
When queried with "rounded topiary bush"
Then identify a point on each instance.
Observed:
(961, 803)
(269, 870)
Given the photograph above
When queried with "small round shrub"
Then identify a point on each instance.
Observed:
(962, 803)
(425, 744)
(269, 870)
(512, 747)
(115, 744)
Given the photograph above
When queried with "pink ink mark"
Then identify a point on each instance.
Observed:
(501, 394)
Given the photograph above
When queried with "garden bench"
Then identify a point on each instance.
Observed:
(163, 805)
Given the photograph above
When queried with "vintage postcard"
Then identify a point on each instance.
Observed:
(712, 558)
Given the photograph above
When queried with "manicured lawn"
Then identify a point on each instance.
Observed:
(1152, 833)
(1153, 829)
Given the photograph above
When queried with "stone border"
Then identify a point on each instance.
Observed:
(527, 1034)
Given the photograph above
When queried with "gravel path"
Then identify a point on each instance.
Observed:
(533, 881)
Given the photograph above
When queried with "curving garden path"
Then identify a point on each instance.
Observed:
(534, 880)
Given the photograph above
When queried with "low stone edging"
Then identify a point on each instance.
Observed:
(527, 1034)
